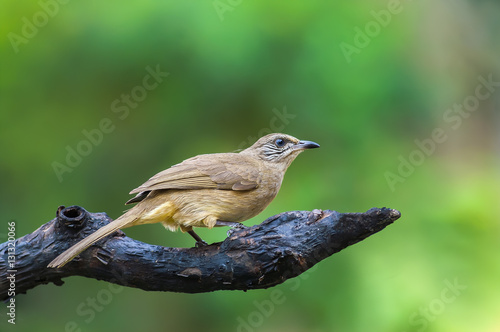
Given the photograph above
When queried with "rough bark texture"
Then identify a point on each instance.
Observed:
(261, 256)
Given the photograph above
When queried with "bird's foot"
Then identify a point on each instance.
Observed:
(200, 244)
(238, 226)
(232, 224)
(235, 227)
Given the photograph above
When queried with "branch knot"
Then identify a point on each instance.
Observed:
(73, 216)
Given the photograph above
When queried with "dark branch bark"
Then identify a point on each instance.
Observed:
(261, 256)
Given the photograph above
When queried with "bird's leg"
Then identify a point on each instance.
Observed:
(199, 241)
(234, 226)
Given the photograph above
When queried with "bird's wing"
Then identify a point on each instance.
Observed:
(229, 171)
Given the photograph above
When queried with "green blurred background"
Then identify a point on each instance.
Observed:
(239, 70)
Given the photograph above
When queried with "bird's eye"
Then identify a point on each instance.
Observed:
(279, 143)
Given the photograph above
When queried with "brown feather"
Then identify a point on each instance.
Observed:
(216, 171)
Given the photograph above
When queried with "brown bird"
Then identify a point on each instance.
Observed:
(220, 189)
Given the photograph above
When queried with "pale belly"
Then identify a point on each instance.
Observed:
(225, 205)
(202, 207)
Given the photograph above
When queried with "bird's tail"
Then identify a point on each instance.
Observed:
(123, 221)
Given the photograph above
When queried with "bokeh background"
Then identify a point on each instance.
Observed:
(241, 69)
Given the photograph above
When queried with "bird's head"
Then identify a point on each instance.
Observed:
(281, 149)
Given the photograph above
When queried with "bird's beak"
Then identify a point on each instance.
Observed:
(303, 145)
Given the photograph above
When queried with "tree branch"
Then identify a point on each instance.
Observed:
(260, 256)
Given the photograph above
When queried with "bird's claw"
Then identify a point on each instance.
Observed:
(234, 228)
(200, 244)
(238, 226)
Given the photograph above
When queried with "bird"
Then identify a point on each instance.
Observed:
(208, 190)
